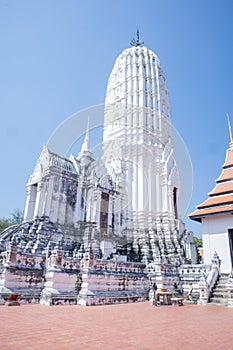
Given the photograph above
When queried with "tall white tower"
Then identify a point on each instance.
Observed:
(138, 153)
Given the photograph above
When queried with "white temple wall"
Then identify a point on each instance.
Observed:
(151, 193)
(158, 189)
(140, 184)
(54, 208)
(49, 195)
(61, 209)
(78, 213)
(97, 209)
(215, 238)
(69, 215)
(56, 202)
(53, 198)
(90, 205)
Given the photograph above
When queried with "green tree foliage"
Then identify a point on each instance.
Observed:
(16, 218)
(4, 223)
(198, 242)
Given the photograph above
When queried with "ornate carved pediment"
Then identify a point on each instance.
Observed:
(62, 164)
(47, 160)
(41, 165)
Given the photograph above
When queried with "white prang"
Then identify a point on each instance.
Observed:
(137, 146)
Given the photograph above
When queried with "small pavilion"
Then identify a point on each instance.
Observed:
(216, 215)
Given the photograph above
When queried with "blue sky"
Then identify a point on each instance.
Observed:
(56, 56)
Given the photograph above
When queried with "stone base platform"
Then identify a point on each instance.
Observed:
(108, 298)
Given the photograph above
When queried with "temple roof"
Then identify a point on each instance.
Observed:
(49, 160)
(86, 150)
(216, 200)
(222, 188)
(229, 159)
(220, 199)
(201, 213)
(227, 174)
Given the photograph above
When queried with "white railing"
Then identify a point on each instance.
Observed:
(206, 284)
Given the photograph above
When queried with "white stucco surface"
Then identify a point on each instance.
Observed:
(215, 238)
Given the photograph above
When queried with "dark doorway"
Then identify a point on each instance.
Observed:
(230, 234)
(175, 202)
(104, 210)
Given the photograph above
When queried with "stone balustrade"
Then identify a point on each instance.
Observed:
(194, 270)
(71, 264)
(208, 281)
(165, 269)
(206, 285)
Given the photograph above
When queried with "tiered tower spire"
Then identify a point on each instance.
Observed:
(86, 143)
(230, 132)
(221, 197)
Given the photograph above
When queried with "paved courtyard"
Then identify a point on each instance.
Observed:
(134, 326)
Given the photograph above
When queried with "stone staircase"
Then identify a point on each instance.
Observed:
(219, 293)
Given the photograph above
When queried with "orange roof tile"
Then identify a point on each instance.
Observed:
(221, 188)
(200, 213)
(221, 197)
(216, 200)
(227, 174)
(229, 158)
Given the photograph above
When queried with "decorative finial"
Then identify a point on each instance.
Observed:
(230, 131)
(136, 42)
(86, 145)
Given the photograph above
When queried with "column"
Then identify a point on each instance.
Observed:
(39, 200)
(30, 202)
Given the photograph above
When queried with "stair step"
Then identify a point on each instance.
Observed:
(224, 290)
(222, 283)
(219, 297)
(219, 301)
(223, 279)
(219, 294)
(218, 304)
(220, 287)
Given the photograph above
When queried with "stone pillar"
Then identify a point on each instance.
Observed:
(230, 290)
(97, 209)
(11, 254)
(87, 264)
(39, 200)
(78, 204)
(203, 289)
(215, 261)
(5, 275)
(109, 212)
(58, 284)
(30, 202)
(4, 290)
(55, 260)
